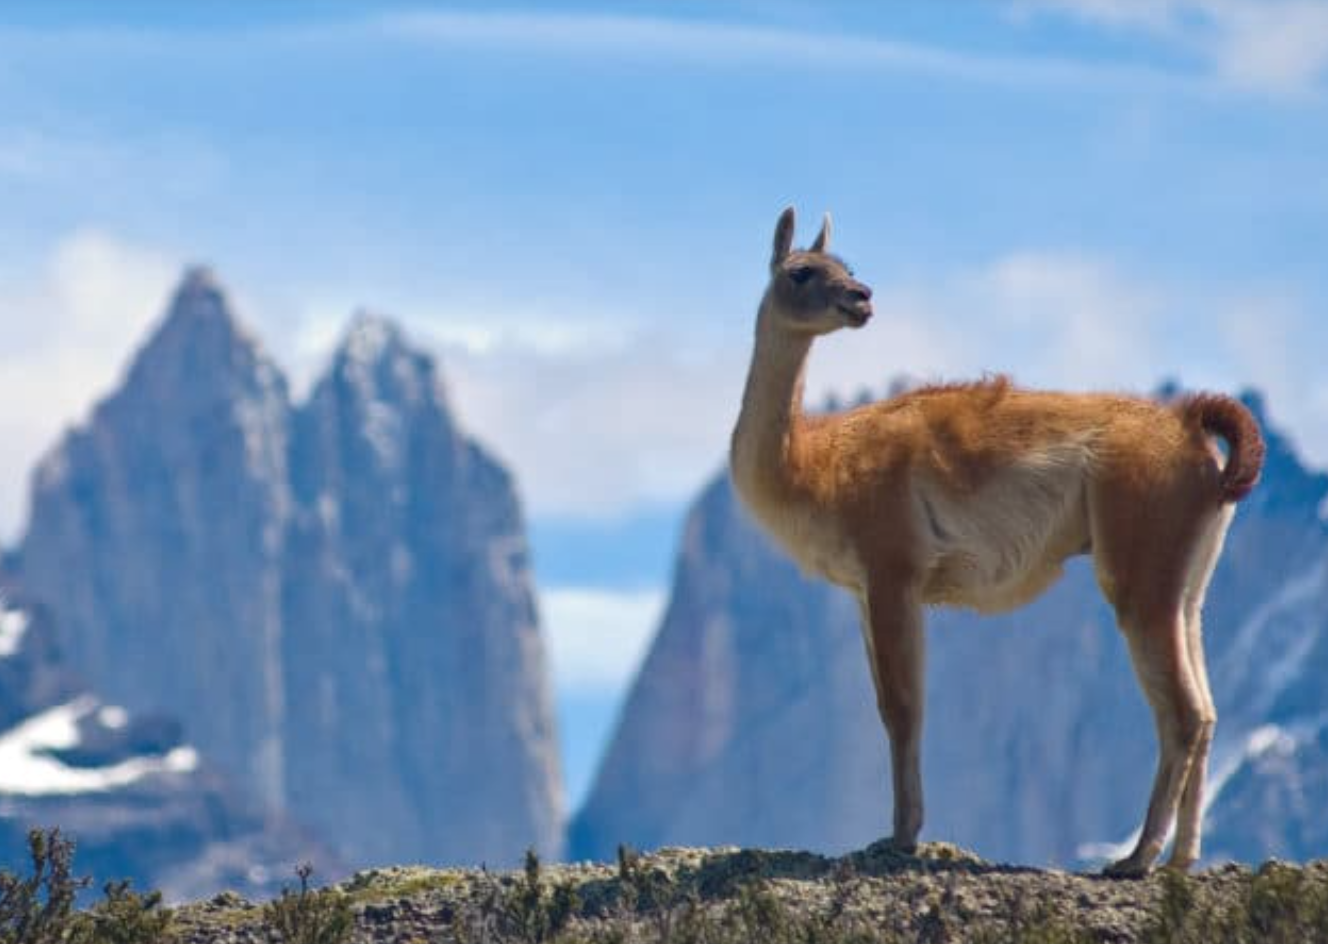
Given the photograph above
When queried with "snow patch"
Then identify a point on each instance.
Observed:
(28, 769)
(113, 717)
(368, 338)
(329, 511)
(1253, 745)
(1100, 853)
(261, 421)
(384, 429)
(1267, 738)
(13, 626)
(1266, 631)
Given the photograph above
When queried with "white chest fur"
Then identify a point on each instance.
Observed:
(817, 543)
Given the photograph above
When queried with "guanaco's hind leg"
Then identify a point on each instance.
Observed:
(1154, 547)
(1189, 817)
(893, 629)
(1158, 648)
(1185, 850)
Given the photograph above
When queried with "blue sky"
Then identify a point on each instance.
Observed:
(572, 204)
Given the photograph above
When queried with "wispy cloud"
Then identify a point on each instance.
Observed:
(732, 45)
(96, 165)
(1275, 46)
(69, 330)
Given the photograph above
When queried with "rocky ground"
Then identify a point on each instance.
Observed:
(718, 896)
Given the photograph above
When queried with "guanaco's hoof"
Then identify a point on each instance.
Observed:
(906, 846)
(890, 846)
(1128, 867)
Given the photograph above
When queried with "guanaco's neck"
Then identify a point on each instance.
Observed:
(762, 453)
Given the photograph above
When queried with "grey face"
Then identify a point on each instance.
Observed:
(814, 291)
(817, 292)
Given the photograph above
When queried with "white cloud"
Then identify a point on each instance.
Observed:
(597, 638)
(1277, 46)
(1276, 344)
(68, 330)
(595, 430)
(1051, 318)
(1090, 326)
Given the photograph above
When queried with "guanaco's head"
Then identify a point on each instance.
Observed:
(812, 291)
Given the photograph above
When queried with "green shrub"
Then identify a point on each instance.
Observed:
(39, 909)
(124, 916)
(310, 916)
(1280, 904)
(531, 912)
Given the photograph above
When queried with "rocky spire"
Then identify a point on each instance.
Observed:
(336, 598)
(411, 610)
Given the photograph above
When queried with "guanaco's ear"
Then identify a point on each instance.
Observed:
(823, 237)
(783, 237)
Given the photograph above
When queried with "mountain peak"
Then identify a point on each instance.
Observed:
(372, 338)
(377, 362)
(200, 325)
(200, 276)
(198, 356)
(199, 297)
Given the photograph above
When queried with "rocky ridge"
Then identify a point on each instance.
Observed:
(723, 895)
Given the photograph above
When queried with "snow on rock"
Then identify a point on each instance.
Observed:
(141, 803)
(113, 717)
(28, 766)
(13, 626)
(1278, 634)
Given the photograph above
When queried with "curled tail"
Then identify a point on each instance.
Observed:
(1228, 418)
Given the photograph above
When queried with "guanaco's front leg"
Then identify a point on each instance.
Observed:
(893, 628)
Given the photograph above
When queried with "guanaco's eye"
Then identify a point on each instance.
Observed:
(802, 274)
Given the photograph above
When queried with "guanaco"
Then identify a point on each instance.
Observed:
(974, 495)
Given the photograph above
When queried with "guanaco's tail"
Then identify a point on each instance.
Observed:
(1228, 418)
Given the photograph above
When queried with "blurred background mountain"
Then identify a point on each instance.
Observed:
(443, 585)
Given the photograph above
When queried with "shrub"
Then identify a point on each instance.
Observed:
(39, 909)
(124, 916)
(1280, 904)
(530, 912)
(310, 916)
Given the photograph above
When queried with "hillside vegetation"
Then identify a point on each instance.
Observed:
(695, 896)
